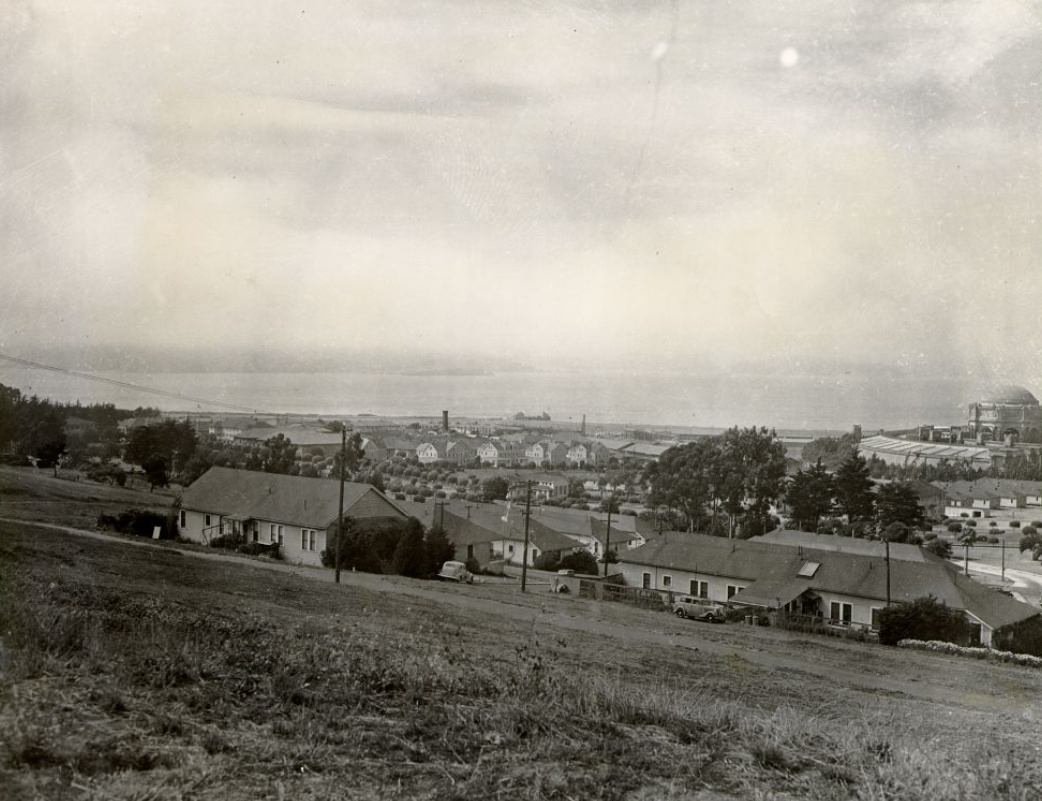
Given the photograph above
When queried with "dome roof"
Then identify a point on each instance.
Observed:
(1009, 393)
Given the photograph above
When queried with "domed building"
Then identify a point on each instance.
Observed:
(1007, 413)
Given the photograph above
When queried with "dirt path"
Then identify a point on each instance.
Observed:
(944, 679)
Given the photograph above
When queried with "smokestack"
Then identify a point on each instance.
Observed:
(445, 420)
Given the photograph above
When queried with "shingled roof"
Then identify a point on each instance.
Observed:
(773, 572)
(295, 500)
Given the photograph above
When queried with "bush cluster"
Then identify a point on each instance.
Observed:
(140, 522)
(580, 562)
(922, 619)
(1025, 660)
(391, 547)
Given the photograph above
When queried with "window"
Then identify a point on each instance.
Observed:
(303, 539)
(311, 540)
(699, 589)
(280, 535)
(645, 581)
(667, 581)
(733, 590)
(875, 617)
(808, 569)
(208, 520)
(511, 548)
(271, 532)
(840, 612)
(184, 518)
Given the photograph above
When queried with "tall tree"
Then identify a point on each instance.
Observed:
(898, 502)
(754, 463)
(810, 496)
(170, 440)
(681, 480)
(352, 457)
(495, 488)
(854, 496)
(278, 454)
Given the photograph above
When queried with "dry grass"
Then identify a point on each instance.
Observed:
(111, 691)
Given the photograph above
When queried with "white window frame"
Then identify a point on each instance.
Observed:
(303, 539)
(843, 607)
(271, 532)
(311, 539)
(667, 582)
(871, 614)
(697, 592)
(280, 535)
(733, 590)
(184, 519)
(207, 520)
(645, 581)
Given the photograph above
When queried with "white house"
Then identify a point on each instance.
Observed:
(427, 452)
(842, 587)
(294, 512)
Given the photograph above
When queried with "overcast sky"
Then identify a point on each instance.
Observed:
(755, 181)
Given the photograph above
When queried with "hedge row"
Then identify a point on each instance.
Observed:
(1008, 657)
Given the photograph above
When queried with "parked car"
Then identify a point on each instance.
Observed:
(698, 608)
(456, 571)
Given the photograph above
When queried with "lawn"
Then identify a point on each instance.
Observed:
(152, 673)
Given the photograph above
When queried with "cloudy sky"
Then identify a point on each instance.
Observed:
(697, 181)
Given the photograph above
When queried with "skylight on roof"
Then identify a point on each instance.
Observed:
(808, 569)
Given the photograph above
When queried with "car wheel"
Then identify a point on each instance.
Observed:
(681, 613)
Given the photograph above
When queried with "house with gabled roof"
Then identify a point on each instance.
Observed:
(296, 513)
(499, 453)
(430, 452)
(839, 586)
(461, 452)
(541, 540)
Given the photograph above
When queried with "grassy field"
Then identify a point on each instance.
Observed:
(152, 673)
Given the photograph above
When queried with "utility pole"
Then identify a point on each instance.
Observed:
(340, 505)
(966, 560)
(1004, 561)
(887, 572)
(524, 556)
(607, 537)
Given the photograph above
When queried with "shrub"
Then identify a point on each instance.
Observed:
(992, 524)
(955, 528)
(1014, 524)
(270, 549)
(1029, 539)
(229, 541)
(141, 523)
(580, 562)
(922, 619)
(963, 514)
(939, 547)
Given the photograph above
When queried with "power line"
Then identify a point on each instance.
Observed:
(128, 385)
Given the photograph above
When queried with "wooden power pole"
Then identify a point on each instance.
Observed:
(340, 505)
(524, 556)
(607, 536)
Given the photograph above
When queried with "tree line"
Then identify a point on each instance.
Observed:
(723, 485)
